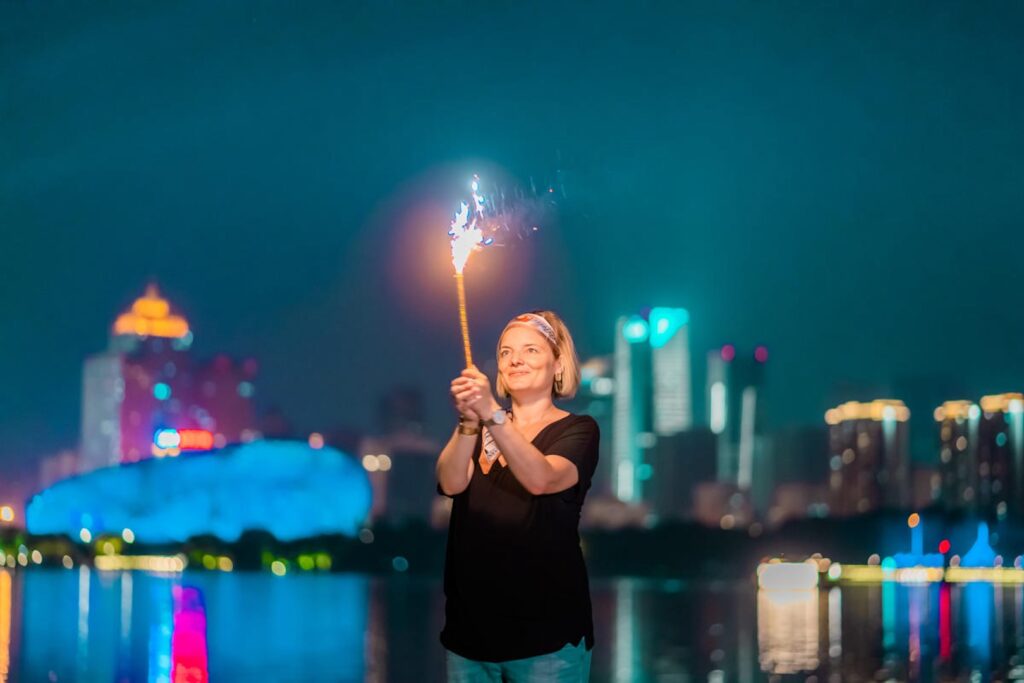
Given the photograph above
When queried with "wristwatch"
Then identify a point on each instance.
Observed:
(498, 418)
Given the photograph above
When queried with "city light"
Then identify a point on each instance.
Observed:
(160, 564)
(877, 410)
(718, 407)
(635, 330)
(913, 520)
(728, 353)
(128, 535)
(1002, 403)
(664, 323)
(150, 316)
(761, 354)
(167, 439)
(316, 440)
(195, 439)
(6, 514)
(788, 575)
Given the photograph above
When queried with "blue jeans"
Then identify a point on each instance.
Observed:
(571, 664)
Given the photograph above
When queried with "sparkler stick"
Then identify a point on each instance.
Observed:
(461, 286)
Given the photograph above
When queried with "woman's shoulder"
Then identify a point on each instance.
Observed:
(580, 422)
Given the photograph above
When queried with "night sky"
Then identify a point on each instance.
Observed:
(840, 181)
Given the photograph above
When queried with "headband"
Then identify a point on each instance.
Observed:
(538, 323)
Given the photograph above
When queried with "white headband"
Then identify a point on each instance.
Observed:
(538, 323)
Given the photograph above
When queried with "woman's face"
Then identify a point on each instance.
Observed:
(526, 361)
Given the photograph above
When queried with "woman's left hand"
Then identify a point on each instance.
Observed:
(482, 400)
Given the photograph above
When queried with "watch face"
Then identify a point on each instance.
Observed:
(499, 417)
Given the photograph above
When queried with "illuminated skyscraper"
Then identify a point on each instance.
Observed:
(870, 460)
(982, 454)
(670, 366)
(631, 412)
(652, 396)
(147, 383)
(958, 438)
(735, 412)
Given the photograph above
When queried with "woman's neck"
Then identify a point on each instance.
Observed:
(533, 410)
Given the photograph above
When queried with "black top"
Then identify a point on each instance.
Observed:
(514, 576)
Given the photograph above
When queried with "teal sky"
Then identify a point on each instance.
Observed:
(842, 182)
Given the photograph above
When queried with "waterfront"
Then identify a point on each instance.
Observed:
(86, 625)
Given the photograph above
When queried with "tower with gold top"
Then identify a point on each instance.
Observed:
(146, 396)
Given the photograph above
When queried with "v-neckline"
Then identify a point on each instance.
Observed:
(548, 426)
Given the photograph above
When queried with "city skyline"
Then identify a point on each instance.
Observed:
(825, 214)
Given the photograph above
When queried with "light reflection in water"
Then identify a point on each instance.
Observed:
(188, 642)
(787, 630)
(199, 627)
(625, 637)
(82, 659)
(5, 624)
(835, 623)
(160, 629)
(978, 599)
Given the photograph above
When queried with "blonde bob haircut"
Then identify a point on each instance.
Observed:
(566, 384)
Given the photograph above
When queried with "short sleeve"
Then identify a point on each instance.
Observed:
(578, 443)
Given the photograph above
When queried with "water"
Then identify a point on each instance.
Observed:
(84, 625)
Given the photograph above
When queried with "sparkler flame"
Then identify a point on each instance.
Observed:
(465, 231)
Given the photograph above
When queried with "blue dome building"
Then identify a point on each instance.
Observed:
(284, 487)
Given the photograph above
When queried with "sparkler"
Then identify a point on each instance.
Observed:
(466, 237)
(476, 225)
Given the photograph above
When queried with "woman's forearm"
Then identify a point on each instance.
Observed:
(530, 467)
(454, 465)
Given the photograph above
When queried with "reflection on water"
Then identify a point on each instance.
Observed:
(5, 625)
(787, 630)
(84, 625)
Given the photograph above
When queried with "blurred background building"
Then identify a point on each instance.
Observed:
(869, 456)
(148, 396)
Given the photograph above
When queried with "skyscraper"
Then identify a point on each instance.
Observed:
(958, 430)
(670, 366)
(631, 407)
(735, 411)
(982, 454)
(870, 459)
(146, 396)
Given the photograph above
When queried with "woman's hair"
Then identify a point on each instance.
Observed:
(568, 382)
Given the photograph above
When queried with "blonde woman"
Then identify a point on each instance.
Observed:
(517, 594)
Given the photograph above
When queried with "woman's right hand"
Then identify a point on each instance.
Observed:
(464, 392)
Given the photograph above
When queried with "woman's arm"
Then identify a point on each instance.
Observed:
(455, 464)
(537, 472)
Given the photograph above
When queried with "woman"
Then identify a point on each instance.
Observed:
(518, 599)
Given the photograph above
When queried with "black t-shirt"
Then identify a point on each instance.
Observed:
(514, 577)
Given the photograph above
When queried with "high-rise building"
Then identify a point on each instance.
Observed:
(670, 366)
(631, 407)
(958, 430)
(652, 393)
(735, 412)
(870, 459)
(146, 396)
(1001, 454)
(982, 454)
